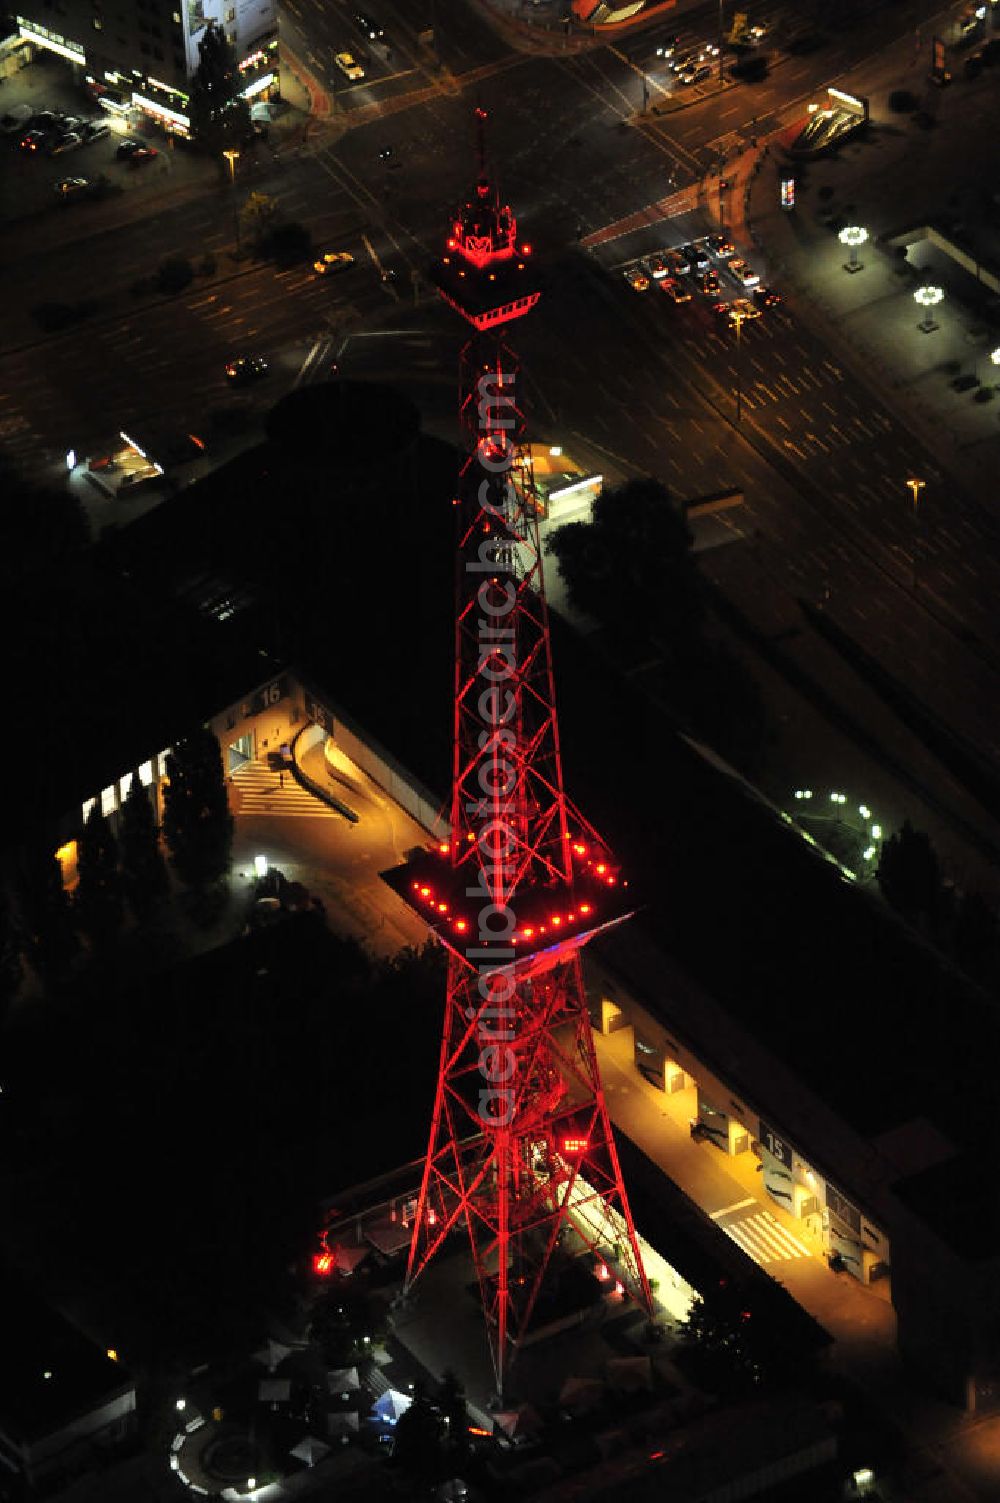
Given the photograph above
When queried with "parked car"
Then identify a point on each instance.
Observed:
(69, 142)
(44, 120)
(142, 155)
(636, 278)
(125, 149)
(698, 256)
(720, 247)
(95, 130)
(657, 267)
(71, 187)
(710, 284)
(766, 297)
(742, 274)
(697, 73)
(740, 308)
(680, 263)
(35, 140)
(349, 65)
(676, 291)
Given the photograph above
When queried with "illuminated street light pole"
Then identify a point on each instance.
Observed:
(737, 317)
(852, 236)
(928, 297)
(915, 487)
(995, 357)
(232, 156)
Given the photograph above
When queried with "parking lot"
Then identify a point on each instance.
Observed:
(707, 274)
(43, 95)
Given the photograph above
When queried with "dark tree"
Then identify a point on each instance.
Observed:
(47, 926)
(909, 875)
(975, 937)
(631, 568)
(10, 951)
(220, 118)
(451, 1402)
(342, 1318)
(175, 273)
(144, 871)
(418, 1449)
(40, 529)
(286, 244)
(98, 896)
(197, 823)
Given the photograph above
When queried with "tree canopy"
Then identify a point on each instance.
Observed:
(196, 819)
(631, 567)
(220, 117)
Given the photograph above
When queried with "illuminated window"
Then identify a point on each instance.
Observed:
(146, 774)
(87, 808)
(109, 802)
(124, 785)
(161, 763)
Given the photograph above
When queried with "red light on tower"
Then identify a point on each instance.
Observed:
(323, 1263)
(575, 1145)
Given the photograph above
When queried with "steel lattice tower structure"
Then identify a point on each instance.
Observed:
(521, 1150)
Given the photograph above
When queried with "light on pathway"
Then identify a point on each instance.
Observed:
(928, 297)
(853, 236)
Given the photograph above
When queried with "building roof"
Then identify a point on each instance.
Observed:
(52, 1372)
(953, 1199)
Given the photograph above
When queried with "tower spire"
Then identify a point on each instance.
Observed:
(521, 1152)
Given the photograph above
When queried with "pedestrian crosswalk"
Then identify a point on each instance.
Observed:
(263, 791)
(763, 1238)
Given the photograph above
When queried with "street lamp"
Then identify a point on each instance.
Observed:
(928, 297)
(853, 235)
(995, 356)
(915, 487)
(737, 318)
(232, 156)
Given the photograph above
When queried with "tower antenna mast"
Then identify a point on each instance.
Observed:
(521, 1152)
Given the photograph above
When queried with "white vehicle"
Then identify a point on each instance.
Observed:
(742, 274)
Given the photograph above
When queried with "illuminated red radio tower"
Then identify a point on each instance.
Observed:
(521, 1151)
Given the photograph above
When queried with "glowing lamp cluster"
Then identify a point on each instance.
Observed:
(546, 917)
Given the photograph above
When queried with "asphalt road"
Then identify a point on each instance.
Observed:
(820, 460)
